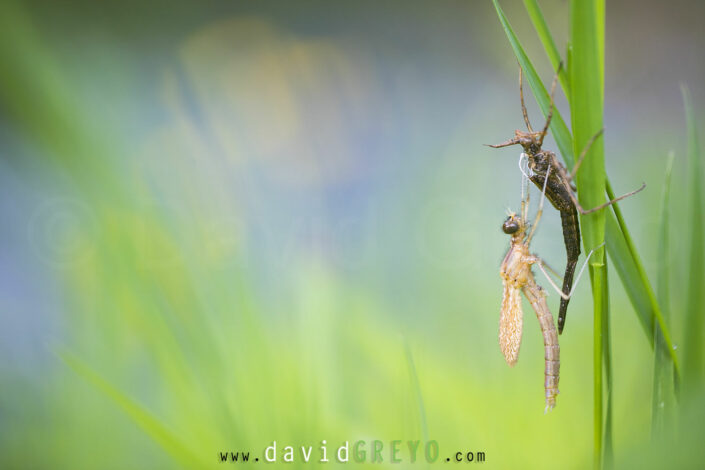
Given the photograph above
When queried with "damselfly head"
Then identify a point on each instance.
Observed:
(511, 225)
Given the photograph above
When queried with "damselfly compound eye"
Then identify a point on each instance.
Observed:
(510, 226)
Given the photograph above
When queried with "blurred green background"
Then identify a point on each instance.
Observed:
(225, 224)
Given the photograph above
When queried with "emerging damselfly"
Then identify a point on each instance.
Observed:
(516, 275)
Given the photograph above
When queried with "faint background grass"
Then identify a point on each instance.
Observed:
(230, 222)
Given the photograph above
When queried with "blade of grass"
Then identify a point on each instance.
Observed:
(693, 348)
(539, 22)
(586, 116)
(145, 420)
(414, 378)
(607, 360)
(558, 126)
(662, 402)
(629, 275)
(600, 14)
(634, 276)
(598, 291)
(37, 94)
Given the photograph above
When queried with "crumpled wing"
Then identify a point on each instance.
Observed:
(510, 324)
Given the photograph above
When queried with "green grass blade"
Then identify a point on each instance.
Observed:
(692, 345)
(607, 364)
(586, 115)
(662, 402)
(416, 386)
(568, 56)
(558, 127)
(633, 275)
(532, 7)
(145, 420)
(629, 275)
(587, 108)
(598, 292)
(38, 96)
(600, 13)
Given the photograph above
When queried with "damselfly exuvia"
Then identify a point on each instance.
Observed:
(545, 171)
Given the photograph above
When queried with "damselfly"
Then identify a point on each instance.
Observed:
(516, 275)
